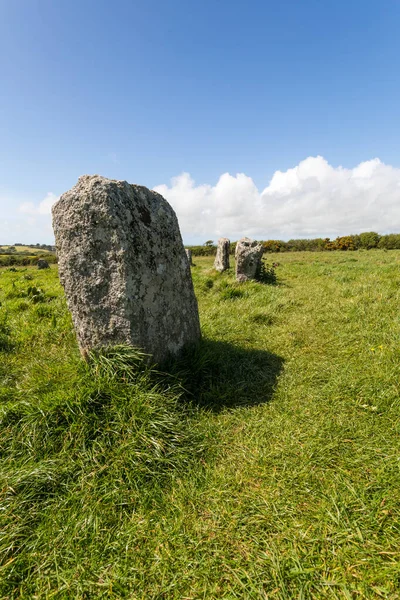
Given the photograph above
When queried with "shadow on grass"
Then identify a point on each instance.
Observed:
(219, 375)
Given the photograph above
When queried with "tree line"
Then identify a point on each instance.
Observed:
(362, 241)
(23, 260)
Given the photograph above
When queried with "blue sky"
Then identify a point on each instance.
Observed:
(146, 91)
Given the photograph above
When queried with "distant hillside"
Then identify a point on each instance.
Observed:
(21, 249)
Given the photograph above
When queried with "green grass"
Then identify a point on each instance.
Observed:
(266, 464)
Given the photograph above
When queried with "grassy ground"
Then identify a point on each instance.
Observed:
(266, 466)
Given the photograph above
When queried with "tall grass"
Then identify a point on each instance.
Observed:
(262, 464)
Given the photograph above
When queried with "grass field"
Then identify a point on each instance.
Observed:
(25, 250)
(266, 465)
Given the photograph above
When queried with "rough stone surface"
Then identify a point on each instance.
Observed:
(42, 264)
(124, 268)
(189, 256)
(221, 262)
(248, 259)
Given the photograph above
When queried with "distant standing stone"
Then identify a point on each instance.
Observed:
(42, 264)
(248, 258)
(123, 267)
(221, 262)
(189, 256)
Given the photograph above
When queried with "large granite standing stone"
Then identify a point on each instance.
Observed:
(248, 256)
(124, 269)
(221, 262)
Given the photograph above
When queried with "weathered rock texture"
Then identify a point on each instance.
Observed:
(42, 264)
(124, 269)
(189, 256)
(248, 256)
(221, 262)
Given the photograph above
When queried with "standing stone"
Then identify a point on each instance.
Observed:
(248, 259)
(221, 262)
(189, 256)
(42, 264)
(124, 269)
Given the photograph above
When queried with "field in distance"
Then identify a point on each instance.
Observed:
(264, 465)
(23, 250)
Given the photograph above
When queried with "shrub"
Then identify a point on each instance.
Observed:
(312, 245)
(274, 246)
(202, 250)
(7, 260)
(391, 241)
(266, 273)
(345, 243)
(369, 239)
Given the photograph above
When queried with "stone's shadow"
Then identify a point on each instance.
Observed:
(220, 375)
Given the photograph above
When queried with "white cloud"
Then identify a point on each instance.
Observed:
(43, 208)
(312, 199)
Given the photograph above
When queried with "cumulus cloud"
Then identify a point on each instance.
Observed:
(313, 199)
(43, 208)
(310, 200)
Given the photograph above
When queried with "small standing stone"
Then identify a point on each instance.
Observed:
(221, 262)
(189, 256)
(124, 269)
(248, 259)
(42, 264)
